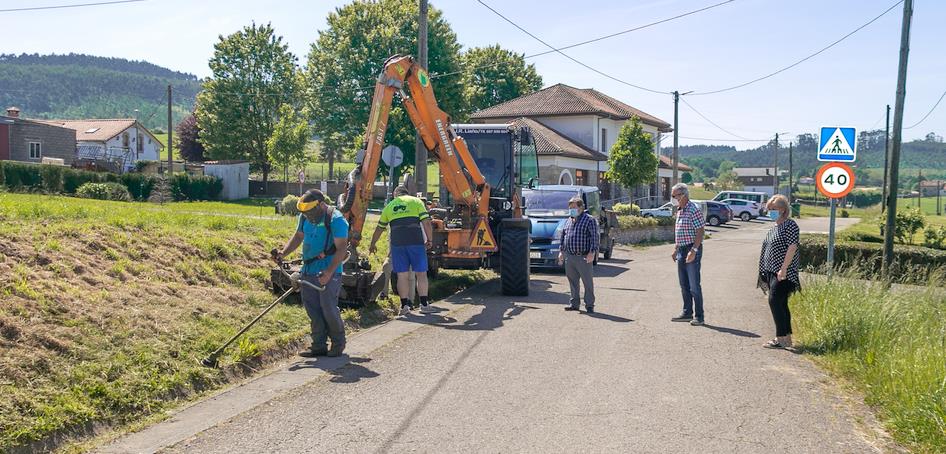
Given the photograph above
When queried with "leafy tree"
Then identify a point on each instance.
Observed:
(728, 181)
(253, 75)
(724, 167)
(492, 75)
(345, 61)
(632, 161)
(698, 175)
(286, 146)
(187, 135)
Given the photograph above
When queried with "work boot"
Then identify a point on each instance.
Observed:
(314, 351)
(336, 350)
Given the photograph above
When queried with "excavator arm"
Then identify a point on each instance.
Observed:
(461, 176)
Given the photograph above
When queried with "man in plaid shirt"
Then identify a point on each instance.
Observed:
(688, 237)
(579, 248)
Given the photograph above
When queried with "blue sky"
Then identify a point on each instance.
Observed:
(847, 85)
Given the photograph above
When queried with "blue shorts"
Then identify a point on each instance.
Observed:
(409, 258)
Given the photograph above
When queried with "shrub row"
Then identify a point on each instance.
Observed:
(912, 264)
(637, 222)
(627, 209)
(18, 176)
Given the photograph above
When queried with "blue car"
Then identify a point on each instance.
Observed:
(547, 208)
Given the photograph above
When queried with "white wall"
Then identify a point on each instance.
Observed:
(235, 179)
(579, 128)
(150, 149)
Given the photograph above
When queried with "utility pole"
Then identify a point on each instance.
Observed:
(676, 136)
(420, 150)
(776, 165)
(919, 187)
(170, 136)
(885, 189)
(897, 135)
(791, 185)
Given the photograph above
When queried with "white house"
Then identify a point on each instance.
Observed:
(121, 142)
(756, 179)
(575, 129)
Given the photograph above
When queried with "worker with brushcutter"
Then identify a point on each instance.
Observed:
(323, 233)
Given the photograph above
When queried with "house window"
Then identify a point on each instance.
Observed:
(36, 150)
(581, 177)
(604, 141)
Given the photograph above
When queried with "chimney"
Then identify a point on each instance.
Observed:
(13, 112)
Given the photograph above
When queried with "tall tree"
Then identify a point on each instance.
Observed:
(345, 61)
(286, 145)
(187, 134)
(253, 75)
(632, 161)
(493, 75)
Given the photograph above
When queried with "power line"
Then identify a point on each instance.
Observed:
(928, 113)
(77, 5)
(600, 38)
(725, 140)
(711, 121)
(803, 59)
(568, 56)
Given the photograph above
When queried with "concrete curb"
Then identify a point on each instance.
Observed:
(279, 380)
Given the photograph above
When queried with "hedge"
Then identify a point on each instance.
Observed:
(20, 176)
(637, 222)
(912, 264)
(104, 191)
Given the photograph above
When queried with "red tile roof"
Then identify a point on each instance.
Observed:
(561, 99)
(551, 142)
(667, 163)
(94, 130)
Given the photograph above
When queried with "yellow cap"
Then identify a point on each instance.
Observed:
(306, 206)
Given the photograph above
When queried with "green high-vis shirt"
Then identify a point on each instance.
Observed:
(404, 214)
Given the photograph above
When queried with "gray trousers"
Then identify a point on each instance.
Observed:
(322, 308)
(577, 269)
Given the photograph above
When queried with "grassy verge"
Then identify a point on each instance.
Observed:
(889, 343)
(824, 211)
(108, 306)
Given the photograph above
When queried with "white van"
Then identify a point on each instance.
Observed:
(758, 197)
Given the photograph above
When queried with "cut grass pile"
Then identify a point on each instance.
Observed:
(107, 307)
(889, 343)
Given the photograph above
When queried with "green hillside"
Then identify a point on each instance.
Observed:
(83, 86)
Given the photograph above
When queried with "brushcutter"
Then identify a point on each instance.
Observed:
(211, 361)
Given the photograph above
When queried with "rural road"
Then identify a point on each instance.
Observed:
(499, 375)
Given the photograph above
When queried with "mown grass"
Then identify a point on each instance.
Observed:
(107, 308)
(890, 343)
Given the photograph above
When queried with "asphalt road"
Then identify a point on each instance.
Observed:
(525, 376)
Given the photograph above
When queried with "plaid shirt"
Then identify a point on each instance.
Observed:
(580, 235)
(689, 219)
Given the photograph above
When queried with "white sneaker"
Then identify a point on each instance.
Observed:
(427, 309)
(405, 310)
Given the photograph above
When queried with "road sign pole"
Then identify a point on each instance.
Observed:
(831, 237)
(387, 197)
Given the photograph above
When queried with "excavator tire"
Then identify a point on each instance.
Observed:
(514, 257)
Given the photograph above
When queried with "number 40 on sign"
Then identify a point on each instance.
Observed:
(835, 180)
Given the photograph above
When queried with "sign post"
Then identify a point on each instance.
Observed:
(835, 180)
(393, 157)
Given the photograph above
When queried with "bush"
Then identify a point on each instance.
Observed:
(935, 237)
(845, 214)
(73, 179)
(627, 209)
(20, 175)
(912, 264)
(186, 187)
(104, 191)
(907, 223)
(636, 222)
(864, 198)
(52, 178)
(288, 205)
(139, 185)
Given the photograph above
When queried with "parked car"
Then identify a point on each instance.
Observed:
(717, 213)
(547, 208)
(757, 197)
(663, 211)
(744, 209)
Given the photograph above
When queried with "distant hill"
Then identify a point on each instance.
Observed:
(84, 86)
(927, 154)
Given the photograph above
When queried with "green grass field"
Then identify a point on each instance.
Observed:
(108, 306)
(889, 344)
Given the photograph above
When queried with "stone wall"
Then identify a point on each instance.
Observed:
(55, 142)
(643, 235)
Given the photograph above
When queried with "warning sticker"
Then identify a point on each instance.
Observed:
(483, 237)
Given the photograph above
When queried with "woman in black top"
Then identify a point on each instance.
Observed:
(778, 268)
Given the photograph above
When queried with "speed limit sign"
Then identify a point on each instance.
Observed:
(835, 180)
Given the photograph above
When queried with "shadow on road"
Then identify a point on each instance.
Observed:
(733, 331)
(609, 317)
(344, 369)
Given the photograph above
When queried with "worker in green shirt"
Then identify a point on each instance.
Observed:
(411, 235)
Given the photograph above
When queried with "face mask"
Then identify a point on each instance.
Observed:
(774, 214)
(573, 212)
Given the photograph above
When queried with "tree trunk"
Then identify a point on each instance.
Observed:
(331, 163)
(286, 176)
(265, 179)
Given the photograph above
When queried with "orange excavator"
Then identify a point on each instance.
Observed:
(479, 223)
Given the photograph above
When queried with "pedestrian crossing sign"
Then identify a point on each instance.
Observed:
(837, 145)
(483, 237)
